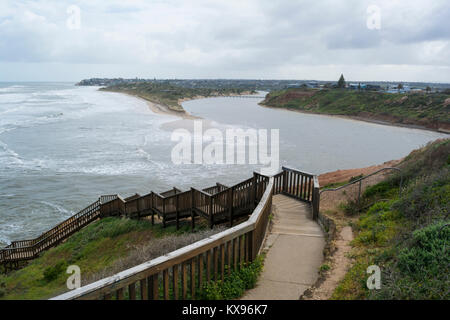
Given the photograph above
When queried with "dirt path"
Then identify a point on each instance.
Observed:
(338, 259)
(340, 263)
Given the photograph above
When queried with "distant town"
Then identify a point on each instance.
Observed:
(270, 85)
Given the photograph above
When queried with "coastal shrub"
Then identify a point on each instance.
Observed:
(323, 268)
(382, 189)
(378, 225)
(406, 235)
(2, 285)
(235, 284)
(427, 198)
(428, 251)
(421, 269)
(53, 272)
(355, 178)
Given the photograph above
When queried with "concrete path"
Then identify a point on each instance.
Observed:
(294, 255)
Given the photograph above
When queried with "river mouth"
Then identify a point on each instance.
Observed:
(62, 146)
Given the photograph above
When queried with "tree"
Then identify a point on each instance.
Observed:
(400, 86)
(341, 82)
(428, 89)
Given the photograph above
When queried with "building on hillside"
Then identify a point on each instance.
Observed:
(357, 86)
(373, 87)
(294, 85)
(312, 84)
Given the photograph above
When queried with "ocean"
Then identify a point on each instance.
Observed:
(62, 146)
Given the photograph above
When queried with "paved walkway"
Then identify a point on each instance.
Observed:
(295, 253)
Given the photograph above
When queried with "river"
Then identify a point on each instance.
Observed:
(62, 146)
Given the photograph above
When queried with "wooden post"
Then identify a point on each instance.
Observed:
(230, 206)
(255, 189)
(164, 212)
(132, 291)
(144, 290)
(222, 261)
(177, 211)
(208, 266)
(166, 283)
(154, 287)
(192, 210)
(138, 209)
(184, 280)
(119, 294)
(230, 255)
(316, 199)
(152, 206)
(285, 181)
(193, 278)
(211, 217)
(216, 262)
(251, 255)
(200, 271)
(175, 281)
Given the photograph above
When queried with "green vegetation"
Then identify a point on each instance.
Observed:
(407, 235)
(169, 95)
(427, 110)
(234, 285)
(102, 248)
(324, 268)
(341, 82)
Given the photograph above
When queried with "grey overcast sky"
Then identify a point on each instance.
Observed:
(41, 40)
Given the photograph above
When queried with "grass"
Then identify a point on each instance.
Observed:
(169, 95)
(408, 235)
(102, 248)
(234, 284)
(427, 110)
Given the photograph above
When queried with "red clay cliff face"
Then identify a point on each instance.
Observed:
(345, 175)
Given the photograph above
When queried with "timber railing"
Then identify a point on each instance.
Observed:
(217, 204)
(300, 185)
(30, 249)
(181, 273)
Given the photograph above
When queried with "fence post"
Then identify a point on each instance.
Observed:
(177, 211)
(359, 194)
(251, 243)
(192, 210)
(285, 181)
(164, 212)
(211, 217)
(137, 208)
(316, 199)
(152, 208)
(255, 189)
(230, 205)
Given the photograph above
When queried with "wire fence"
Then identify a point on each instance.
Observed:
(353, 191)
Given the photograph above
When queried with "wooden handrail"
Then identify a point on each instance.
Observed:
(223, 204)
(128, 278)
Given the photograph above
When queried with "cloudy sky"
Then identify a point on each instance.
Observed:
(47, 40)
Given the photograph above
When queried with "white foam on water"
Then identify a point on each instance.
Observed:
(59, 209)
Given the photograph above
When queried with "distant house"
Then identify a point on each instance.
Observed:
(395, 89)
(312, 84)
(294, 85)
(357, 86)
(373, 87)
